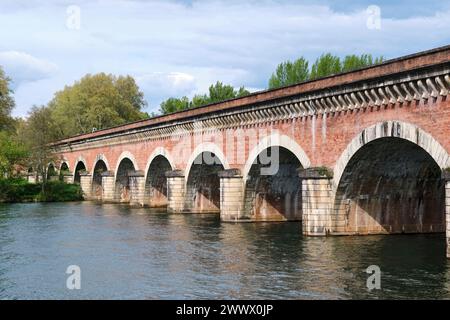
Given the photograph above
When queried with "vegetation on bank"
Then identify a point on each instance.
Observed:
(19, 190)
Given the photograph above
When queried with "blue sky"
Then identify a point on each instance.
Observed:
(176, 48)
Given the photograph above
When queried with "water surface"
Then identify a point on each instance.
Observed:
(127, 253)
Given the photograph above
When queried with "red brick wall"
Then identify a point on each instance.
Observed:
(323, 145)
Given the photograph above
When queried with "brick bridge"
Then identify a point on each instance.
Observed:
(364, 152)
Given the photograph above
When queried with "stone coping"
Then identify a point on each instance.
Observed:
(315, 173)
(175, 174)
(230, 173)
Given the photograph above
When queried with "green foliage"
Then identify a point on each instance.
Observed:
(353, 62)
(174, 104)
(324, 172)
(288, 73)
(217, 92)
(19, 190)
(97, 102)
(58, 191)
(326, 65)
(6, 101)
(36, 134)
(12, 153)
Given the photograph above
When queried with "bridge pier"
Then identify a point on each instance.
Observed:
(447, 209)
(175, 191)
(316, 202)
(32, 177)
(86, 184)
(67, 177)
(137, 187)
(108, 184)
(231, 195)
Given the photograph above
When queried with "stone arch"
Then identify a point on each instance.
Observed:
(158, 163)
(203, 148)
(100, 166)
(101, 157)
(129, 156)
(399, 129)
(274, 196)
(63, 169)
(389, 180)
(123, 182)
(80, 165)
(52, 171)
(202, 179)
(64, 166)
(276, 140)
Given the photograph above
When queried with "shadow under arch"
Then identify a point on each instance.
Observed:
(156, 194)
(100, 166)
(272, 187)
(388, 180)
(203, 184)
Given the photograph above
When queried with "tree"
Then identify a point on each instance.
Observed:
(325, 65)
(174, 104)
(36, 134)
(97, 102)
(6, 102)
(12, 154)
(353, 62)
(217, 92)
(199, 100)
(288, 73)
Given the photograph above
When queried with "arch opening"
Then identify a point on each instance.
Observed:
(203, 184)
(123, 183)
(51, 172)
(156, 182)
(63, 170)
(80, 167)
(391, 185)
(97, 186)
(274, 196)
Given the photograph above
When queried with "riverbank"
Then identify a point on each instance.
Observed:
(19, 190)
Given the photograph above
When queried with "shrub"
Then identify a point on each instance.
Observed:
(19, 190)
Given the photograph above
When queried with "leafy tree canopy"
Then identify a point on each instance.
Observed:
(289, 73)
(6, 101)
(97, 102)
(217, 92)
(13, 153)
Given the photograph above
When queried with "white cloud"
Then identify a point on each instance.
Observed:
(172, 83)
(23, 67)
(174, 49)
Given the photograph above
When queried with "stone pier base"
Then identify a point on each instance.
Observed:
(175, 191)
(32, 177)
(86, 184)
(67, 178)
(137, 188)
(316, 202)
(446, 176)
(108, 186)
(231, 195)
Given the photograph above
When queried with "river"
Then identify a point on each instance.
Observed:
(128, 253)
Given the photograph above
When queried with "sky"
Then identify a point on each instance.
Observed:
(176, 48)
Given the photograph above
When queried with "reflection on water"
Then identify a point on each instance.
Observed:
(142, 254)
